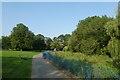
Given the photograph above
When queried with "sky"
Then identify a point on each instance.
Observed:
(59, 0)
(52, 18)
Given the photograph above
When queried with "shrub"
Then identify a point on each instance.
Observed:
(65, 48)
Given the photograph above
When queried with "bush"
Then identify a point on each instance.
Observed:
(65, 48)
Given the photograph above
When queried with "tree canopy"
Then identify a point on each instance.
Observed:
(21, 38)
(60, 42)
(39, 42)
(90, 35)
(48, 42)
(93, 35)
(6, 43)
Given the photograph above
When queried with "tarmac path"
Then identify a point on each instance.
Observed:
(41, 68)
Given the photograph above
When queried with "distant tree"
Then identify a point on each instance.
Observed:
(67, 37)
(61, 38)
(54, 44)
(60, 45)
(21, 38)
(60, 42)
(48, 42)
(39, 42)
(6, 44)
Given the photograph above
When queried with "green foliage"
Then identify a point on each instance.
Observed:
(61, 38)
(21, 38)
(48, 42)
(67, 37)
(90, 35)
(73, 41)
(85, 66)
(89, 46)
(29, 38)
(54, 44)
(60, 42)
(113, 30)
(6, 43)
(39, 42)
(112, 47)
(66, 48)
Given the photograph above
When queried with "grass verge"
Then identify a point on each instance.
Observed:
(15, 67)
(85, 66)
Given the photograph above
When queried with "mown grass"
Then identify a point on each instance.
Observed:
(101, 66)
(14, 67)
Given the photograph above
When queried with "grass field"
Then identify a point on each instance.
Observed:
(14, 67)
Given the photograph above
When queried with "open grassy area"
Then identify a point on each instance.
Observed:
(85, 66)
(15, 67)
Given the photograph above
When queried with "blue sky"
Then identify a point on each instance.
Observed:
(52, 18)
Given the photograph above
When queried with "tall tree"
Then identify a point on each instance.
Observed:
(39, 42)
(29, 38)
(21, 37)
(90, 35)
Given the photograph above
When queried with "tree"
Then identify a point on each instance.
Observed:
(39, 42)
(54, 44)
(113, 30)
(60, 42)
(67, 37)
(48, 42)
(29, 38)
(64, 38)
(6, 44)
(21, 38)
(61, 38)
(90, 35)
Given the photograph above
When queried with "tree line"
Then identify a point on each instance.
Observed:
(21, 38)
(97, 35)
(93, 35)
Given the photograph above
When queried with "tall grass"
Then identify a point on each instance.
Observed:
(85, 66)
